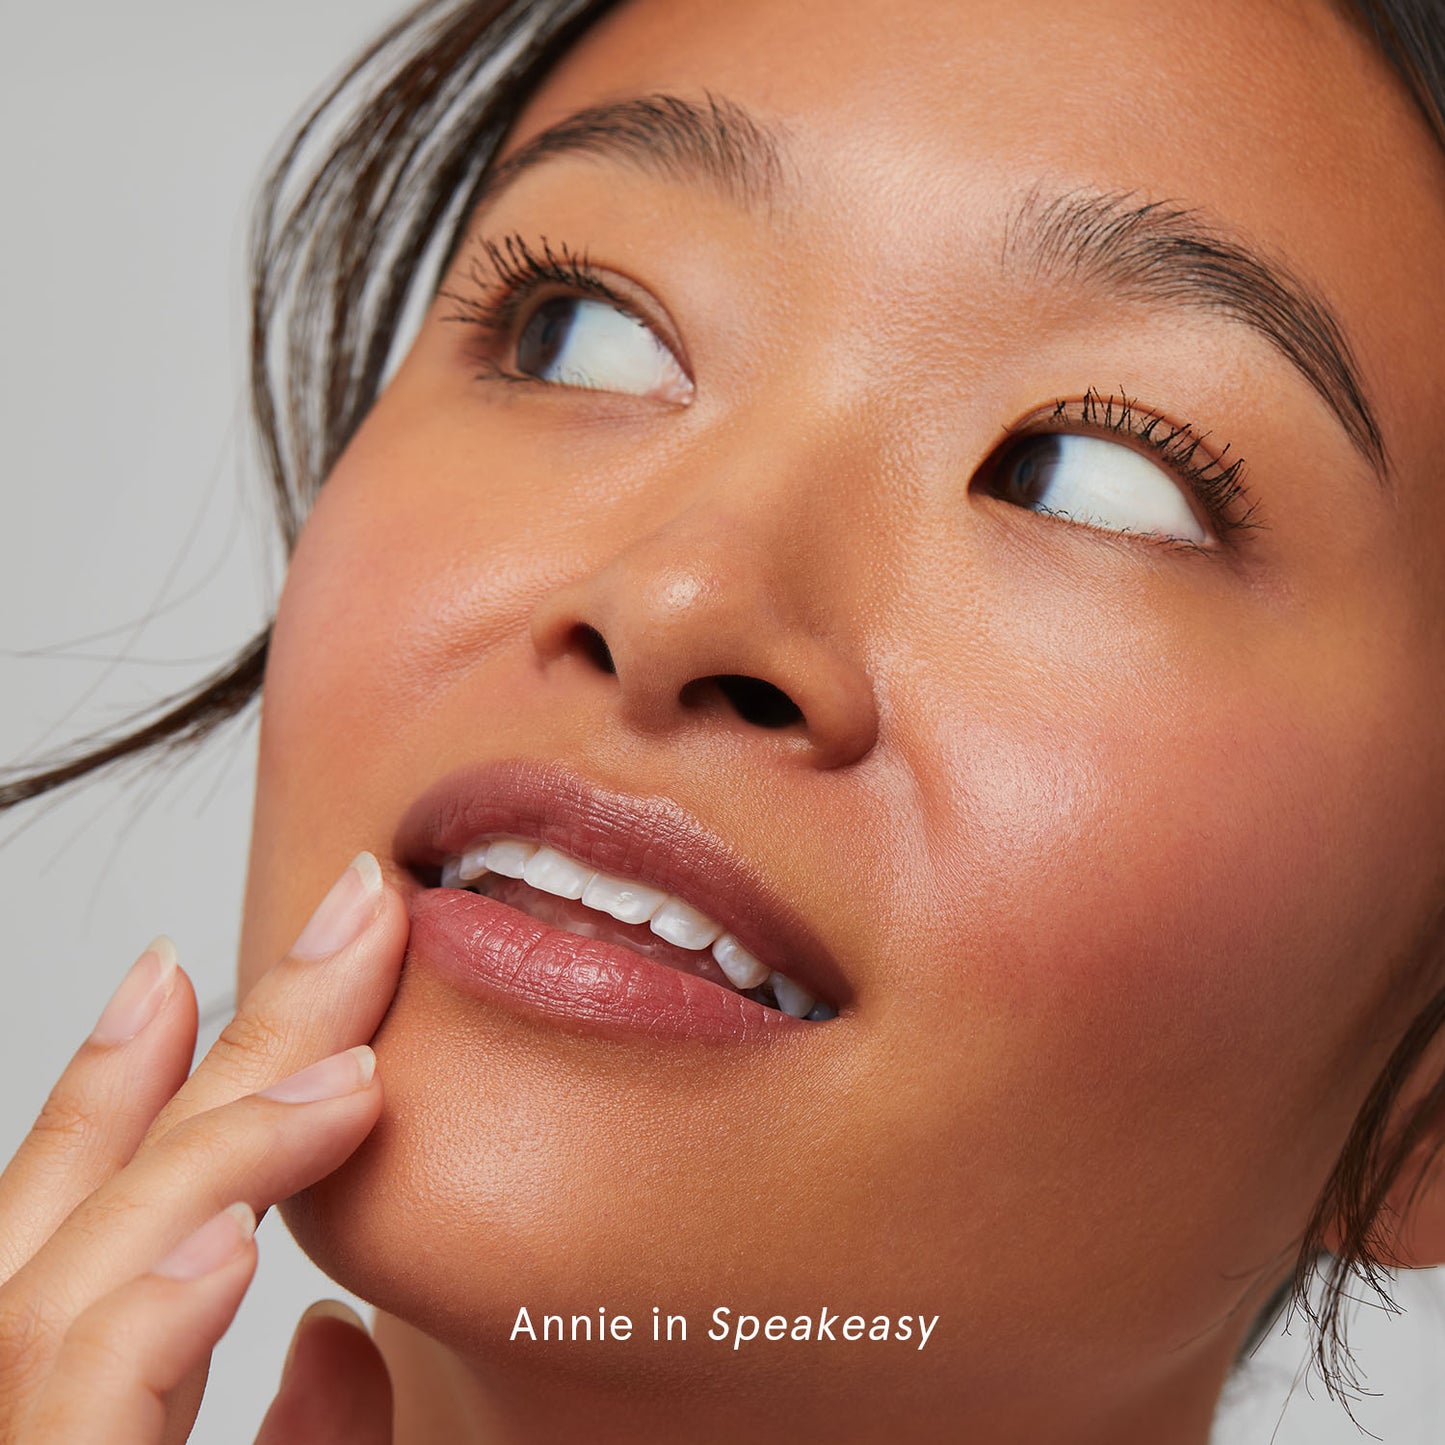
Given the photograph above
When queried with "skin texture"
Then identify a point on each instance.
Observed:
(1118, 845)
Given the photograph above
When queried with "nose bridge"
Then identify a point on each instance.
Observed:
(729, 596)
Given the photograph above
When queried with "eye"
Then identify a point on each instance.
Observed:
(587, 342)
(1097, 483)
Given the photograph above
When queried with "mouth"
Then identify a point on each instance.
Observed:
(601, 909)
(546, 884)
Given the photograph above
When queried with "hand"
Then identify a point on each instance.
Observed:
(111, 1297)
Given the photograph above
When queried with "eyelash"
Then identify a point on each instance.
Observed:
(1216, 484)
(517, 272)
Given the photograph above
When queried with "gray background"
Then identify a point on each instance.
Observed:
(136, 555)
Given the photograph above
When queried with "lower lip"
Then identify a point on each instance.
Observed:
(507, 957)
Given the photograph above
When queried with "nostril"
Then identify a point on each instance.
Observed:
(594, 645)
(759, 702)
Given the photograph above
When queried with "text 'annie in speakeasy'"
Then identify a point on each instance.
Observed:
(726, 1326)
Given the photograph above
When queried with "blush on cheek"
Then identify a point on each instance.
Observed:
(1174, 906)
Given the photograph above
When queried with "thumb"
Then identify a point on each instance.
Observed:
(334, 1389)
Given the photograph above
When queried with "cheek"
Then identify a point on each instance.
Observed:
(425, 551)
(385, 606)
(1157, 955)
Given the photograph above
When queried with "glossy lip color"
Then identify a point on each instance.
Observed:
(530, 967)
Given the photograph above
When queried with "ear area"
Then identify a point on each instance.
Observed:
(1409, 1232)
(1415, 1228)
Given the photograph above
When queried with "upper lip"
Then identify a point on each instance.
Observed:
(650, 840)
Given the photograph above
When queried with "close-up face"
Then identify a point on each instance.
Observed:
(838, 459)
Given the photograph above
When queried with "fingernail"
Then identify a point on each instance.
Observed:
(344, 912)
(141, 993)
(330, 1309)
(215, 1243)
(340, 1074)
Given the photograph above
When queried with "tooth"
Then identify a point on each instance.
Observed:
(585, 927)
(626, 902)
(821, 1011)
(791, 999)
(554, 872)
(451, 874)
(684, 926)
(474, 863)
(742, 969)
(508, 856)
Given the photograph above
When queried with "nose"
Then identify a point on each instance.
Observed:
(695, 625)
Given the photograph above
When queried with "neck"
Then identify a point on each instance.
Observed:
(440, 1396)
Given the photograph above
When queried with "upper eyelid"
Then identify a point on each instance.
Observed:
(1219, 475)
(483, 253)
(514, 280)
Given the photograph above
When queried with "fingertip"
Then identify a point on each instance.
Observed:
(220, 1240)
(331, 1309)
(335, 1386)
(322, 1309)
(365, 1063)
(244, 1215)
(392, 911)
(164, 946)
(142, 993)
(370, 870)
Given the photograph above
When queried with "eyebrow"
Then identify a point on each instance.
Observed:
(1156, 252)
(717, 141)
(1172, 256)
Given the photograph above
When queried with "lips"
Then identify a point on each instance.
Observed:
(519, 960)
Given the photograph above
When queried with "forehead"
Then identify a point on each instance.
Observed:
(909, 122)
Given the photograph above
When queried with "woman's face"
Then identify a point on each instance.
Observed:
(1114, 840)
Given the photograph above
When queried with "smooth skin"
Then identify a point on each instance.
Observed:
(1121, 848)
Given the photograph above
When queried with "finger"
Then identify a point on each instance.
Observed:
(261, 1148)
(136, 1057)
(122, 1356)
(128, 1086)
(335, 1388)
(329, 992)
(184, 1402)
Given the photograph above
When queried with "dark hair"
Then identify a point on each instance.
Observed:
(348, 229)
